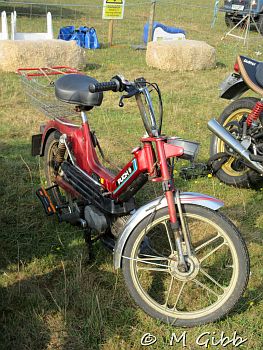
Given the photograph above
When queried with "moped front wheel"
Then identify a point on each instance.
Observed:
(218, 268)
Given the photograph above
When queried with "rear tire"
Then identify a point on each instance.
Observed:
(57, 194)
(232, 172)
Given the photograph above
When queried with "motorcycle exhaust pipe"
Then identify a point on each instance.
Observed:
(225, 135)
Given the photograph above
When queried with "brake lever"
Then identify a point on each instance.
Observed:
(121, 104)
(131, 93)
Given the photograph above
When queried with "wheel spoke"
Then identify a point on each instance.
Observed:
(168, 229)
(153, 250)
(147, 257)
(212, 252)
(205, 244)
(178, 296)
(211, 279)
(169, 291)
(143, 261)
(152, 269)
(229, 266)
(205, 287)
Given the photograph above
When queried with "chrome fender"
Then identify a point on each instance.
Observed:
(158, 203)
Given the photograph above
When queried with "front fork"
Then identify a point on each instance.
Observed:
(179, 231)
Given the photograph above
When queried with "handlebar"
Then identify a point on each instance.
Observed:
(118, 83)
(137, 88)
(113, 85)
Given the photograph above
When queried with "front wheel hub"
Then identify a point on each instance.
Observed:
(192, 271)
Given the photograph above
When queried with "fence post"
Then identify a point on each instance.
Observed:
(151, 21)
(110, 34)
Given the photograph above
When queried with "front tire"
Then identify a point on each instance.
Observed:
(233, 171)
(218, 272)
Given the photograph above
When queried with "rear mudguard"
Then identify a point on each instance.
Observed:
(233, 87)
(156, 204)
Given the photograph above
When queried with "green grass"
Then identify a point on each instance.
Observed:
(50, 298)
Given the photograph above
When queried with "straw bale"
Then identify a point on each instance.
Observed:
(180, 55)
(15, 54)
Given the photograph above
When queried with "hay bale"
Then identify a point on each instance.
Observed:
(180, 55)
(15, 54)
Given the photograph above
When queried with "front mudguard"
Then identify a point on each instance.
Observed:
(158, 203)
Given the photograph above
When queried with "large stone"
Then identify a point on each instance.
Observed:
(16, 54)
(180, 55)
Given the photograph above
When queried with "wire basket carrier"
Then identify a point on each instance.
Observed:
(39, 86)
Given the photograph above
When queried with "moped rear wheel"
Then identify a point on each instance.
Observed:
(51, 146)
(218, 270)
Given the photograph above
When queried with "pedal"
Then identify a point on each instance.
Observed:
(46, 201)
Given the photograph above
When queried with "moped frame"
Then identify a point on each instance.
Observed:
(149, 160)
(144, 161)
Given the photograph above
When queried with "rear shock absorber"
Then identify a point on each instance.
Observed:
(60, 154)
(255, 113)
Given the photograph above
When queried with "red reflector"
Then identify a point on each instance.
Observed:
(236, 67)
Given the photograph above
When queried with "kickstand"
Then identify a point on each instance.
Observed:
(88, 240)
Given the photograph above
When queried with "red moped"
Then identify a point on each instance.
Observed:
(183, 261)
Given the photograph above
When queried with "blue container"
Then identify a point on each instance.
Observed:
(84, 36)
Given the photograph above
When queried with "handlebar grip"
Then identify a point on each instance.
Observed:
(105, 86)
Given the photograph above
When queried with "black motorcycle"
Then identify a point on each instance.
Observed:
(236, 148)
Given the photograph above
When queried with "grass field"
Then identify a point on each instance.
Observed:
(50, 298)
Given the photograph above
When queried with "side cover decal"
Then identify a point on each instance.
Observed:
(126, 175)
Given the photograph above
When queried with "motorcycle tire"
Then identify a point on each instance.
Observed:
(233, 172)
(218, 270)
(230, 21)
(260, 23)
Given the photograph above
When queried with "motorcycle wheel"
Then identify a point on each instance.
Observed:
(218, 271)
(58, 194)
(260, 24)
(233, 171)
(230, 21)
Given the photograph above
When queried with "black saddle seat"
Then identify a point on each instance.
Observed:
(74, 88)
(252, 73)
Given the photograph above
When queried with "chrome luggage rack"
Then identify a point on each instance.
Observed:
(39, 86)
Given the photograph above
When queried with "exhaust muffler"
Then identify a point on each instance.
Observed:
(225, 135)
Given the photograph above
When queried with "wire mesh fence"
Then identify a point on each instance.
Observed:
(192, 16)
